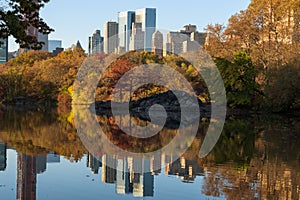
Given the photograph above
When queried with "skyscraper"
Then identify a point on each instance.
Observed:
(137, 37)
(157, 43)
(3, 50)
(43, 38)
(111, 30)
(188, 39)
(53, 44)
(126, 19)
(147, 17)
(95, 43)
(175, 42)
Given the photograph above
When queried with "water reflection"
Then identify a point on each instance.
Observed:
(256, 158)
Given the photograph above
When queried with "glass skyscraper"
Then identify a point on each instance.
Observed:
(3, 50)
(95, 43)
(111, 30)
(126, 19)
(147, 17)
(53, 44)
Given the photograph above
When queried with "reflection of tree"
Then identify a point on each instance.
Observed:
(236, 143)
(267, 167)
(256, 158)
(34, 133)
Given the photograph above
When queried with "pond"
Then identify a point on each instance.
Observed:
(43, 156)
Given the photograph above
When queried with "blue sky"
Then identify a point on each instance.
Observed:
(76, 20)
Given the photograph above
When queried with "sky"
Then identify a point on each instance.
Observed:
(76, 20)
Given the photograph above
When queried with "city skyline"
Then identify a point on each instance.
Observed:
(93, 17)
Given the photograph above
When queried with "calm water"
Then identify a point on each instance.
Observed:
(42, 157)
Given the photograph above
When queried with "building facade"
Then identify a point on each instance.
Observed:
(3, 50)
(147, 17)
(188, 39)
(125, 19)
(175, 42)
(111, 30)
(158, 43)
(53, 44)
(95, 43)
(43, 38)
(137, 38)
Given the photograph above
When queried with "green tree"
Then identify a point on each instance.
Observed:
(239, 80)
(16, 16)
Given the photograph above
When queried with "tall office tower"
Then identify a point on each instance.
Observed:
(199, 37)
(2, 156)
(158, 43)
(126, 19)
(175, 42)
(53, 44)
(137, 37)
(188, 46)
(43, 38)
(26, 177)
(111, 39)
(95, 43)
(147, 17)
(77, 45)
(3, 50)
(188, 39)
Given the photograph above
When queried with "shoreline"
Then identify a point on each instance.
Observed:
(104, 108)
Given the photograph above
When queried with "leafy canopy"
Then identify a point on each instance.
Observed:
(16, 16)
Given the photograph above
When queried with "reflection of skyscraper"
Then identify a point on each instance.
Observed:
(156, 164)
(147, 17)
(122, 182)
(126, 19)
(2, 156)
(93, 163)
(53, 158)
(108, 169)
(143, 183)
(3, 50)
(26, 177)
(186, 169)
(41, 164)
